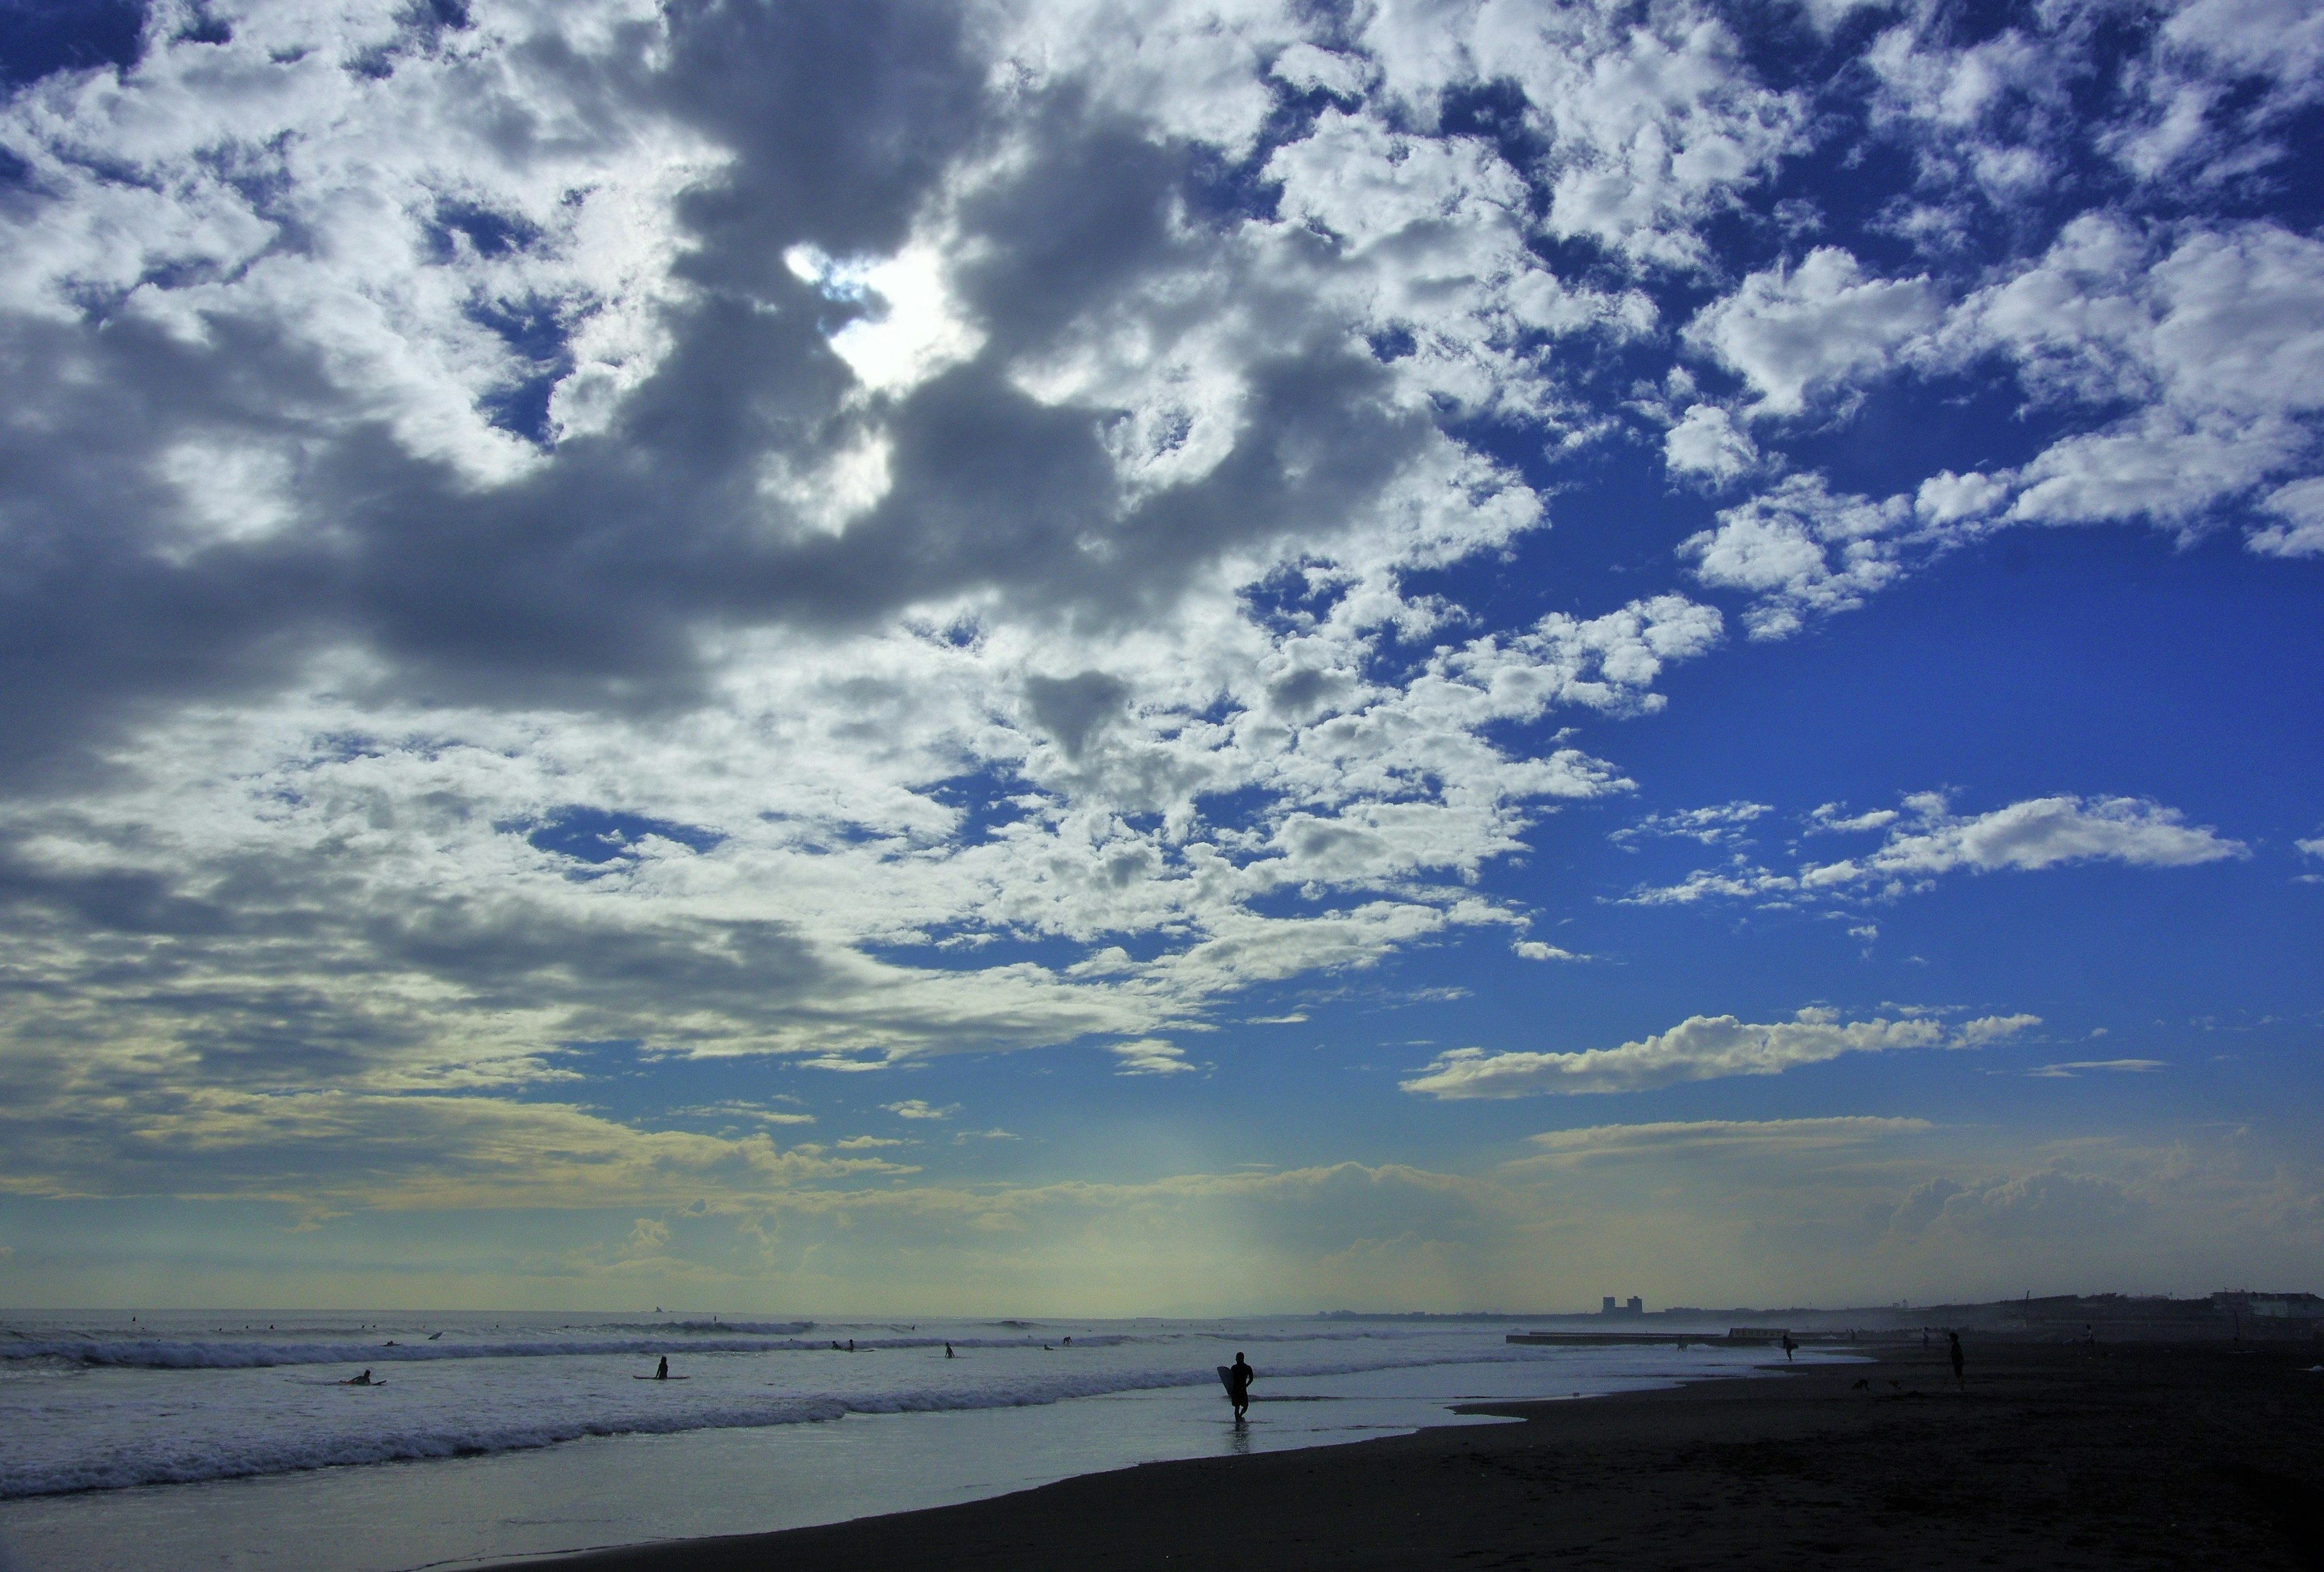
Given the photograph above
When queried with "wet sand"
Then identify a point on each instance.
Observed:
(2148, 1455)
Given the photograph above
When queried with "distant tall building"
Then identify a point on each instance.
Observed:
(1637, 1305)
(1608, 1309)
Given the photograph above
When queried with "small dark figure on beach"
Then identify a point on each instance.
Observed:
(661, 1371)
(1239, 1379)
(1069, 1342)
(948, 1353)
(1788, 1346)
(1953, 1352)
(851, 1345)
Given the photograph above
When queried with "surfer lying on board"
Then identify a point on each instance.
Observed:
(363, 1380)
(1239, 1379)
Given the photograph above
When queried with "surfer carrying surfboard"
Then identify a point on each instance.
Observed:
(1239, 1378)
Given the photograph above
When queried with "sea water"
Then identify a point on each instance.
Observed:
(229, 1440)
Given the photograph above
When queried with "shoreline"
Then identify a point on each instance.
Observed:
(2138, 1455)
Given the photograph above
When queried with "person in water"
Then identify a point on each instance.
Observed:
(661, 1371)
(363, 1380)
(948, 1353)
(1239, 1379)
(1953, 1353)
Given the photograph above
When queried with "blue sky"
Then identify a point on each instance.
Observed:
(1159, 658)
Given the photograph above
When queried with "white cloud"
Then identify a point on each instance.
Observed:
(913, 1108)
(1928, 840)
(2073, 1069)
(1651, 123)
(1535, 949)
(1699, 1048)
(1803, 550)
(1706, 442)
(2039, 832)
(2220, 342)
(2301, 506)
(1723, 825)
(1797, 334)
(1150, 1056)
(742, 1110)
(1309, 69)
(1834, 819)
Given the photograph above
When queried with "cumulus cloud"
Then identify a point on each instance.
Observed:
(913, 1107)
(1535, 949)
(2301, 506)
(1699, 1048)
(1795, 333)
(1708, 442)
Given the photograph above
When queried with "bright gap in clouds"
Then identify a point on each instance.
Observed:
(619, 605)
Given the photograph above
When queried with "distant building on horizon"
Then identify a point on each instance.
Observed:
(1637, 1307)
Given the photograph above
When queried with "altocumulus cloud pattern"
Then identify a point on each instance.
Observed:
(842, 535)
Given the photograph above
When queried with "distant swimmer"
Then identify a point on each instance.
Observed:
(1239, 1375)
(948, 1353)
(388, 1343)
(1954, 1353)
(851, 1345)
(661, 1371)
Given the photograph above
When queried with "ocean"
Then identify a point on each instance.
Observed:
(140, 1441)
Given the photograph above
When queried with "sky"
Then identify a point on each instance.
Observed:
(1160, 656)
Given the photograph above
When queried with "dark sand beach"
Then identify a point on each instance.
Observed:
(2142, 1455)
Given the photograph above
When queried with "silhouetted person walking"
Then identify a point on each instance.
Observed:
(1239, 1379)
(1788, 1346)
(1953, 1352)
